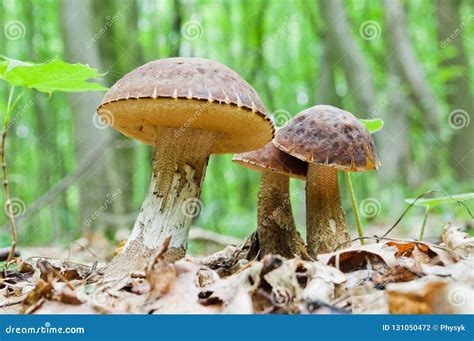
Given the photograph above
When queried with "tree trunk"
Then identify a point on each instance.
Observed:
(76, 26)
(348, 54)
(412, 73)
(175, 33)
(394, 110)
(458, 89)
(326, 90)
(121, 20)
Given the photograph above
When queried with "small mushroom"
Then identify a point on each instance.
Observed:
(330, 140)
(187, 108)
(276, 231)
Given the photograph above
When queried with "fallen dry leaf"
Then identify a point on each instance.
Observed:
(367, 300)
(430, 295)
(223, 291)
(458, 241)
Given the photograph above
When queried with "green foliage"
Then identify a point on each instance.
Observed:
(277, 50)
(373, 125)
(433, 202)
(54, 75)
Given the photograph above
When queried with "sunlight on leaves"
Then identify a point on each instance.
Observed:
(54, 75)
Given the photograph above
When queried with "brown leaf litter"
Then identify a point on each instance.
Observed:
(391, 276)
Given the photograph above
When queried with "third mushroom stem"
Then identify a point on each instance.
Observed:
(179, 164)
(276, 227)
(326, 227)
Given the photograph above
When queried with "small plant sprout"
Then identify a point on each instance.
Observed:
(429, 204)
(372, 126)
(49, 77)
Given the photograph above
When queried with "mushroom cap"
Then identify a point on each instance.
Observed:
(271, 159)
(329, 136)
(187, 93)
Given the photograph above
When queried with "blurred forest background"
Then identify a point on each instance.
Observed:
(407, 62)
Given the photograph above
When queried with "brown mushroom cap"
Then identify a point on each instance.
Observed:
(186, 93)
(270, 158)
(329, 136)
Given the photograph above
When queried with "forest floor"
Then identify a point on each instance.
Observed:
(389, 276)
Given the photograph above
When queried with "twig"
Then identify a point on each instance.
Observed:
(6, 188)
(4, 252)
(210, 236)
(83, 247)
(406, 211)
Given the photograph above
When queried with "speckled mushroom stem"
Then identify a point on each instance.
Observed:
(325, 221)
(179, 164)
(277, 232)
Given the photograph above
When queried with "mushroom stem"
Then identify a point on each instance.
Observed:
(179, 164)
(326, 227)
(277, 232)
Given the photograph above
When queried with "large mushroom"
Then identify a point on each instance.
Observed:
(187, 108)
(276, 230)
(330, 140)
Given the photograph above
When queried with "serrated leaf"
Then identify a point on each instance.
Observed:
(373, 125)
(51, 76)
(432, 202)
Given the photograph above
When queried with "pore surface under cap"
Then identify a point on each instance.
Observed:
(327, 135)
(187, 93)
(270, 158)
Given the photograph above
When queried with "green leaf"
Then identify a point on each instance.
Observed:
(372, 126)
(51, 76)
(432, 202)
(3, 67)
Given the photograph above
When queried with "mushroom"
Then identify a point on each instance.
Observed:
(188, 108)
(276, 230)
(330, 140)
